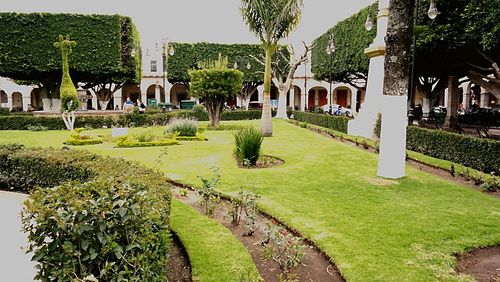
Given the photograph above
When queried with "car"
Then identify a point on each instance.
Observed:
(343, 111)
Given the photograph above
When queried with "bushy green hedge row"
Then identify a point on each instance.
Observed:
(132, 144)
(14, 122)
(477, 153)
(338, 123)
(107, 46)
(110, 223)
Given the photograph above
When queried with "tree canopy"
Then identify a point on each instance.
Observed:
(187, 56)
(108, 47)
(348, 64)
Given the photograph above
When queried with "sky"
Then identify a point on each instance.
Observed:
(195, 20)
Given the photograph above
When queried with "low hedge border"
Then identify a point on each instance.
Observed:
(82, 142)
(338, 123)
(107, 218)
(133, 144)
(23, 122)
(478, 153)
(470, 174)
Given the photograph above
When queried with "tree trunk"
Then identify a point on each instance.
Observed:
(283, 89)
(396, 85)
(266, 125)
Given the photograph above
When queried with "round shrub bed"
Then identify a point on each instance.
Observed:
(88, 216)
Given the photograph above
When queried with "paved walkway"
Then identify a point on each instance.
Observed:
(15, 265)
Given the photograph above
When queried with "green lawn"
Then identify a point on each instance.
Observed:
(374, 229)
(214, 253)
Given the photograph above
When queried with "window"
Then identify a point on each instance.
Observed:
(154, 66)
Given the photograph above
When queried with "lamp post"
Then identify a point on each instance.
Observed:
(167, 51)
(330, 49)
(432, 13)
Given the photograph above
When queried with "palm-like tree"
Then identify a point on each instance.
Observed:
(270, 20)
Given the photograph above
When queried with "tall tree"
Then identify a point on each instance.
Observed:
(396, 84)
(270, 21)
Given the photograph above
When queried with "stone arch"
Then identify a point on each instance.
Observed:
(17, 101)
(151, 93)
(131, 91)
(36, 99)
(297, 93)
(178, 92)
(317, 97)
(4, 98)
(342, 95)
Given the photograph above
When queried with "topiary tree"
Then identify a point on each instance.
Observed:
(215, 83)
(270, 21)
(67, 90)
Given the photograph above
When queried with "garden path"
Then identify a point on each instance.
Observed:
(15, 265)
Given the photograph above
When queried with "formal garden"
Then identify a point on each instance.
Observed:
(218, 194)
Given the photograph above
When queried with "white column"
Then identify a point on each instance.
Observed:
(354, 100)
(485, 100)
(26, 101)
(303, 101)
(391, 162)
(144, 98)
(157, 93)
(291, 98)
(452, 103)
(9, 101)
(117, 99)
(364, 123)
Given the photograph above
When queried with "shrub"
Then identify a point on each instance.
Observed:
(198, 137)
(77, 231)
(248, 144)
(124, 142)
(491, 184)
(146, 136)
(226, 126)
(338, 123)
(282, 247)
(378, 125)
(477, 153)
(183, 127)
(80, 140)
(110, 229)
(37, 127)
(4, 111)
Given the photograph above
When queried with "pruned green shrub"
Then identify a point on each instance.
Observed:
(338, 123)
(183, 126)
(478, 153)
(110, 229)
(37, 127)
(113, 227)
(125, 142)
(226, 126)
(248, 144)
(80, 140)
(198, 137)
(4, 111)
(146, 136)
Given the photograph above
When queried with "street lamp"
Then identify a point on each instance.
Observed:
(330, 49)
(369, 21)
(249, 66)
(433, 12)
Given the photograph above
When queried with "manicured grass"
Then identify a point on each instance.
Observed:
(374, 229)
(215, 254)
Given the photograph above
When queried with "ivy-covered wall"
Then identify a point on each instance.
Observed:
(350, 39)
(107, 45)
(187, 56)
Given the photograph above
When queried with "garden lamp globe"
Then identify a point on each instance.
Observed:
(330, 49)
(369, 23)
(235, 66)
(171, 51)
(249, 66)
(433, 11)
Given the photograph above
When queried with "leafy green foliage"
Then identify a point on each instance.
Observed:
(348, 62)
(271, 20)
(183, 126)
(67, 90)
(79, 140)
(378, 125)
(248, 143)
(338, 123)
(215, 85)
(110, 229)
(108, 47)
(208, 195)
(188, 55)
(125, 142)
(449, 43)
(104, 227)
(484, 156)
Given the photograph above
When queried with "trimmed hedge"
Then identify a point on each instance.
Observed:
(113, 227)
(481, 154)
(133, 144)
(15, 122)
(338, 123)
